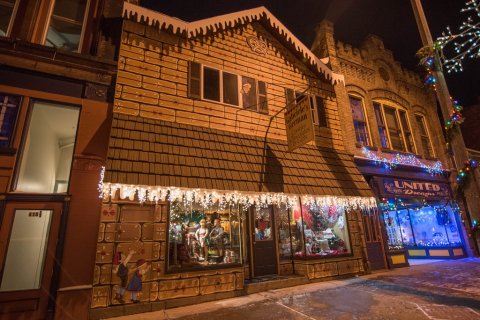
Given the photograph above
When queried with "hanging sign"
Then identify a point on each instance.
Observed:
(400, 187)
(299, 124)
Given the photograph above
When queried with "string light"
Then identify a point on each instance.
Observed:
(463, 174)
(100, 183)
(208, 198)
(466, 43)
(401, 159)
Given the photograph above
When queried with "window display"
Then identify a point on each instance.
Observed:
(286, 233)
(426, 225)
(200, 237)
(321, 230)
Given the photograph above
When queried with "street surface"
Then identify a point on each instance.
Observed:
(434, 291)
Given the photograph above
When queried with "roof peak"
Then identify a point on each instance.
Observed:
(200, 27)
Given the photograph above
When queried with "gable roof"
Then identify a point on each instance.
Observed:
(199, 27)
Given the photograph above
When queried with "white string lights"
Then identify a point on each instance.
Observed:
(208, 198)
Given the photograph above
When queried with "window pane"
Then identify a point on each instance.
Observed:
(403, 217)
(429, 226)
(359, 122)
(249, 93)
(262, 97)
(381, 126)
(26, 250)
(6, 11)
(66, 24)
(48, 149)
(263, 225)
(200, 237)
(286, 228)
(394, 129)
(230, 88)
(394, 232)
(451, 226)
(426, 145)
(211, 84)
(290, 97)
(321, 112)
(8, 116)
(194, 79)
(325, 231)
(406, 130)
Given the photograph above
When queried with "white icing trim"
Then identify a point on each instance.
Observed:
(196, 28)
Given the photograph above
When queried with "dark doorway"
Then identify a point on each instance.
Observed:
(373, 239)
(264, 251)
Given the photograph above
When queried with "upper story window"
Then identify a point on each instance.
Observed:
(7, 7)
(394, 128)
(48, 147)
(9, 106)
(66, 24)
(317, 105)
(216, 85)
(359, 120)
(424, 136)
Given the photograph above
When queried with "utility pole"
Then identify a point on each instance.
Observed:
(458, 151)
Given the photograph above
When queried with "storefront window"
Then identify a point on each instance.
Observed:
(286, 233)
(200, 237)
(426, 225)
(322, 231)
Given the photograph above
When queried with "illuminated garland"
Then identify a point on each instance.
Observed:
(208, 198)
(400, 159)
(463, 174)
(456, 118)
(429, 63)
(100, 183)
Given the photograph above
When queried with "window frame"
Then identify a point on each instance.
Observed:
(84, 25)
(25, 131)
(382, 104)
(221, 88)
(428, 136)
(369, 133)
(313, 105)
(12, 19)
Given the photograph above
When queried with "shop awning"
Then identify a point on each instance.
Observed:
(152, 152)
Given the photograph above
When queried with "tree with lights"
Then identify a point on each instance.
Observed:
(466, 42)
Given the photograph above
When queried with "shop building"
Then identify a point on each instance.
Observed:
(201, 195)
(391, 126)
(55, 120)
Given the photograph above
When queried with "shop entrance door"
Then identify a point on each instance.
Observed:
(373, 239)
(263, 243)
(28, 238)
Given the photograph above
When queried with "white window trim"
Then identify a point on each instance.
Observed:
(397, 116)
(427, 130)
(239, 88)
(82, 34)
(365, 114)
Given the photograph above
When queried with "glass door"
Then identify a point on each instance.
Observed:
(28, 237)
(263, 244)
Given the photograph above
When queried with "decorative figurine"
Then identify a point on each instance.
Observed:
(121, 270)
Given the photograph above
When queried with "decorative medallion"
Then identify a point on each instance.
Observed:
(257, 45)
(384, 74)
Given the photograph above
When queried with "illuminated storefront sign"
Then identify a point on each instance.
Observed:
(400, 187)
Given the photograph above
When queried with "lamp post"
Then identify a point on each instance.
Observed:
(458, 151)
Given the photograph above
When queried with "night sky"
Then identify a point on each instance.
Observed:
(392, 20)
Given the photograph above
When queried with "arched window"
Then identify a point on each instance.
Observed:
(393, 127)
(360, 124)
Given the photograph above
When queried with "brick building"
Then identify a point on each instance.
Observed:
(391, 126)
(201, 196)
(56, 102)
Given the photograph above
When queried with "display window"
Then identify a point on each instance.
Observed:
(202, 237)
(321, 231)
(286, 233)
(428, 225)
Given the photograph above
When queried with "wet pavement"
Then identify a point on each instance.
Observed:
(440, 290)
